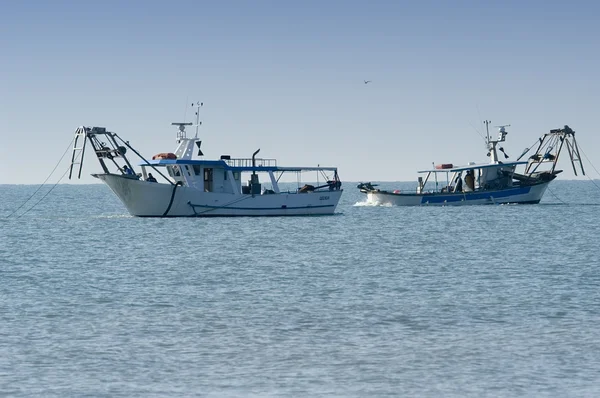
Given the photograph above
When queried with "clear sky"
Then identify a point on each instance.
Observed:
(287, 77)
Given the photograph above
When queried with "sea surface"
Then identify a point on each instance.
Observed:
(475, 301)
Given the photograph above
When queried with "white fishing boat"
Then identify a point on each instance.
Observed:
(178, 184)
(496, 182)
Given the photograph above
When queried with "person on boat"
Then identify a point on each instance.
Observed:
(469, 181)
(127, 170)
(150, 178)
(459, 185)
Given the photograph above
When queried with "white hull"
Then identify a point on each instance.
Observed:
(525, 194)
(147, 199)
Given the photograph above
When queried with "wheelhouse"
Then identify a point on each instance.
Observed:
(240, 175)
(485, 176)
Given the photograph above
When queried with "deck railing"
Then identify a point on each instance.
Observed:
(247, 162)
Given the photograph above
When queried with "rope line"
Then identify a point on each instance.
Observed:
(172, 197)
(46, 180)
(557, 198)
(46, 194)
(219, 208)
(593, 167)
(526, 151)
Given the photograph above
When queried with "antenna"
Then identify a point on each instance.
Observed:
(198, 105)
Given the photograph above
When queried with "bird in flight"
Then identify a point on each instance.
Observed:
(367, 81)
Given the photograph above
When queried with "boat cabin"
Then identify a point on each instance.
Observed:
(227, 174)
(469, 178)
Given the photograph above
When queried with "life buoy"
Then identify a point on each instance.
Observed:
(164, 155)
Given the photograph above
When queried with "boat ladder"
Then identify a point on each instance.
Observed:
(78, 151)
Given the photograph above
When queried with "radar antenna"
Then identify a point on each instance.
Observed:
(492, 144)
(181, 131)
(502, 132)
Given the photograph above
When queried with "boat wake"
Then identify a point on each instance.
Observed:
(368, 203)
(114, 216)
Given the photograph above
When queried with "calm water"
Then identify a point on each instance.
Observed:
(374, 301)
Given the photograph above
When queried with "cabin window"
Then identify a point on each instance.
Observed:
(225, 175)
(236, 175)
(196, 169)
(188, 170)
(208, 180)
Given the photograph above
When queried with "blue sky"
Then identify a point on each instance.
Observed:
(287, 77)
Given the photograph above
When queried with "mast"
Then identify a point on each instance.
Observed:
(491, 144)
(487, 122)
(198, 105)
(186, 145)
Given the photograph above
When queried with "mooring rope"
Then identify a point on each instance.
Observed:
(172, 197)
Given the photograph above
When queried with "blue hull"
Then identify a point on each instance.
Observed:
(530, 194)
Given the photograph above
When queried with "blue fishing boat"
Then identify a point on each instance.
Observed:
(496, 182)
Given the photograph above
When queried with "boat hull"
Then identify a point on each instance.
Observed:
(520, 195)
(147, 199)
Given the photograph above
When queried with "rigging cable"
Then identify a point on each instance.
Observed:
(46, 180)
(185, 108)
(46, 194)
(594, 167)
(478, 132)
(589, 178)
(557, 198)
(528, 149)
